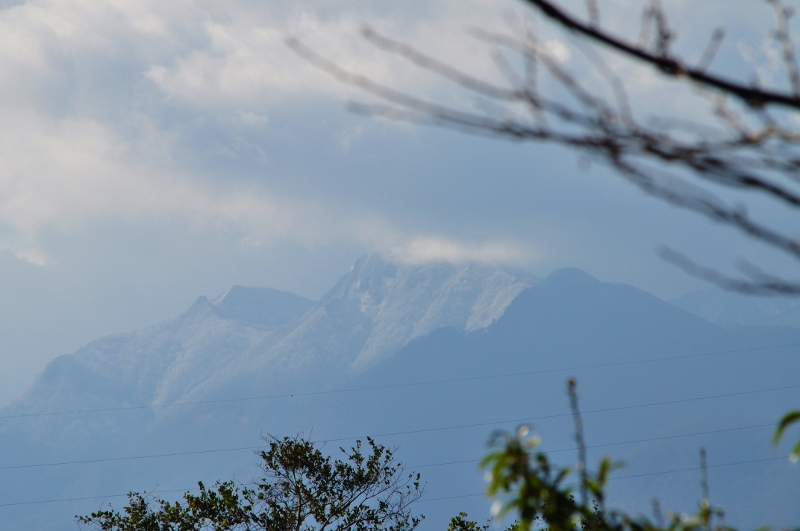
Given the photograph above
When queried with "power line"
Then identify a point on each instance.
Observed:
(128, 458)
(740, 393)
(395, 386)
(661, 472)
(242, 448)
(619, 408)
(613, 478)
(559, 415)
(82, 498)
(786, 457)
(620, 443)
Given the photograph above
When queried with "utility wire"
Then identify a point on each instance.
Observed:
(394, 386)
(129, 458)
(614, 478)
(661, 472)
(620, 443)
(82, 498)
(242, 448)
(433, 382)
(558, 415)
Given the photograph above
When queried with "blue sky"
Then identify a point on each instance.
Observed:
(152, 152)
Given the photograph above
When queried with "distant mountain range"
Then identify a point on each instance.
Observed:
(428, 357)
(727, 308)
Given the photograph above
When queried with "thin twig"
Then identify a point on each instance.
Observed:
(705, 503)
(593, 12)
(782, 15)
(579, 439)
(754, 97)
(779, 288)
(711, 50)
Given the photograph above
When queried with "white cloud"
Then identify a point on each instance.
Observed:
(245, 61)
(436, 249)
(66, 164)
(64, 174)
(33, 256)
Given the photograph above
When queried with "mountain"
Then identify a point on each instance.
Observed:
(727, 308)
(429, 358)
(249, 338)
(372, 312)
(643, 368)
(261, 306)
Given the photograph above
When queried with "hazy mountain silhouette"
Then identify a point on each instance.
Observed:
(430, 357)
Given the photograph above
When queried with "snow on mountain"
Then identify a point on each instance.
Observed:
(151, 366)
(392, 303)
(249, 339)
(379, 306)
(429, 358)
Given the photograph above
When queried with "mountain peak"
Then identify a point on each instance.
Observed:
(570, 275)
(394, 302)
(201, 308)
(261, 306)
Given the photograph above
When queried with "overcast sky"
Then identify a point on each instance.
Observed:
(152, 152)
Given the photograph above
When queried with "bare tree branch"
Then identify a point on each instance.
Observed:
(774, 287)
(756, 149)
(753, 97)
(783, 14)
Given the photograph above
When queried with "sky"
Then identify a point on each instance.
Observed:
(152, 152)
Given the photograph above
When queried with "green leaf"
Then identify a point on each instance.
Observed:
(788, 419)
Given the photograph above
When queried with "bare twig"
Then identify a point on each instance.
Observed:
(782, 15)
(776, 287)
(753, 151)
(711, 50)
(593, 12)
(613, 80)
(658, 516)
(705, 505)
(576, 417)
(754, 97)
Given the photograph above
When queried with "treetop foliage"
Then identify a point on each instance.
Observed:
(301, 489)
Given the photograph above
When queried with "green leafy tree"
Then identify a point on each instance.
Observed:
(301, 490)
(527, 484)
(524, 482)
(461, 522)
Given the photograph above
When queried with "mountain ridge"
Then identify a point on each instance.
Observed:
(457, 350)
(244, 333)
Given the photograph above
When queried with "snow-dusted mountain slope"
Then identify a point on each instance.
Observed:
(430, 358)
(374, 310)
(249, 339)
(161, 363)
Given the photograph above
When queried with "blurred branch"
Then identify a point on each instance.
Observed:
(754, 97)
(675, 160)
(764, 285)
